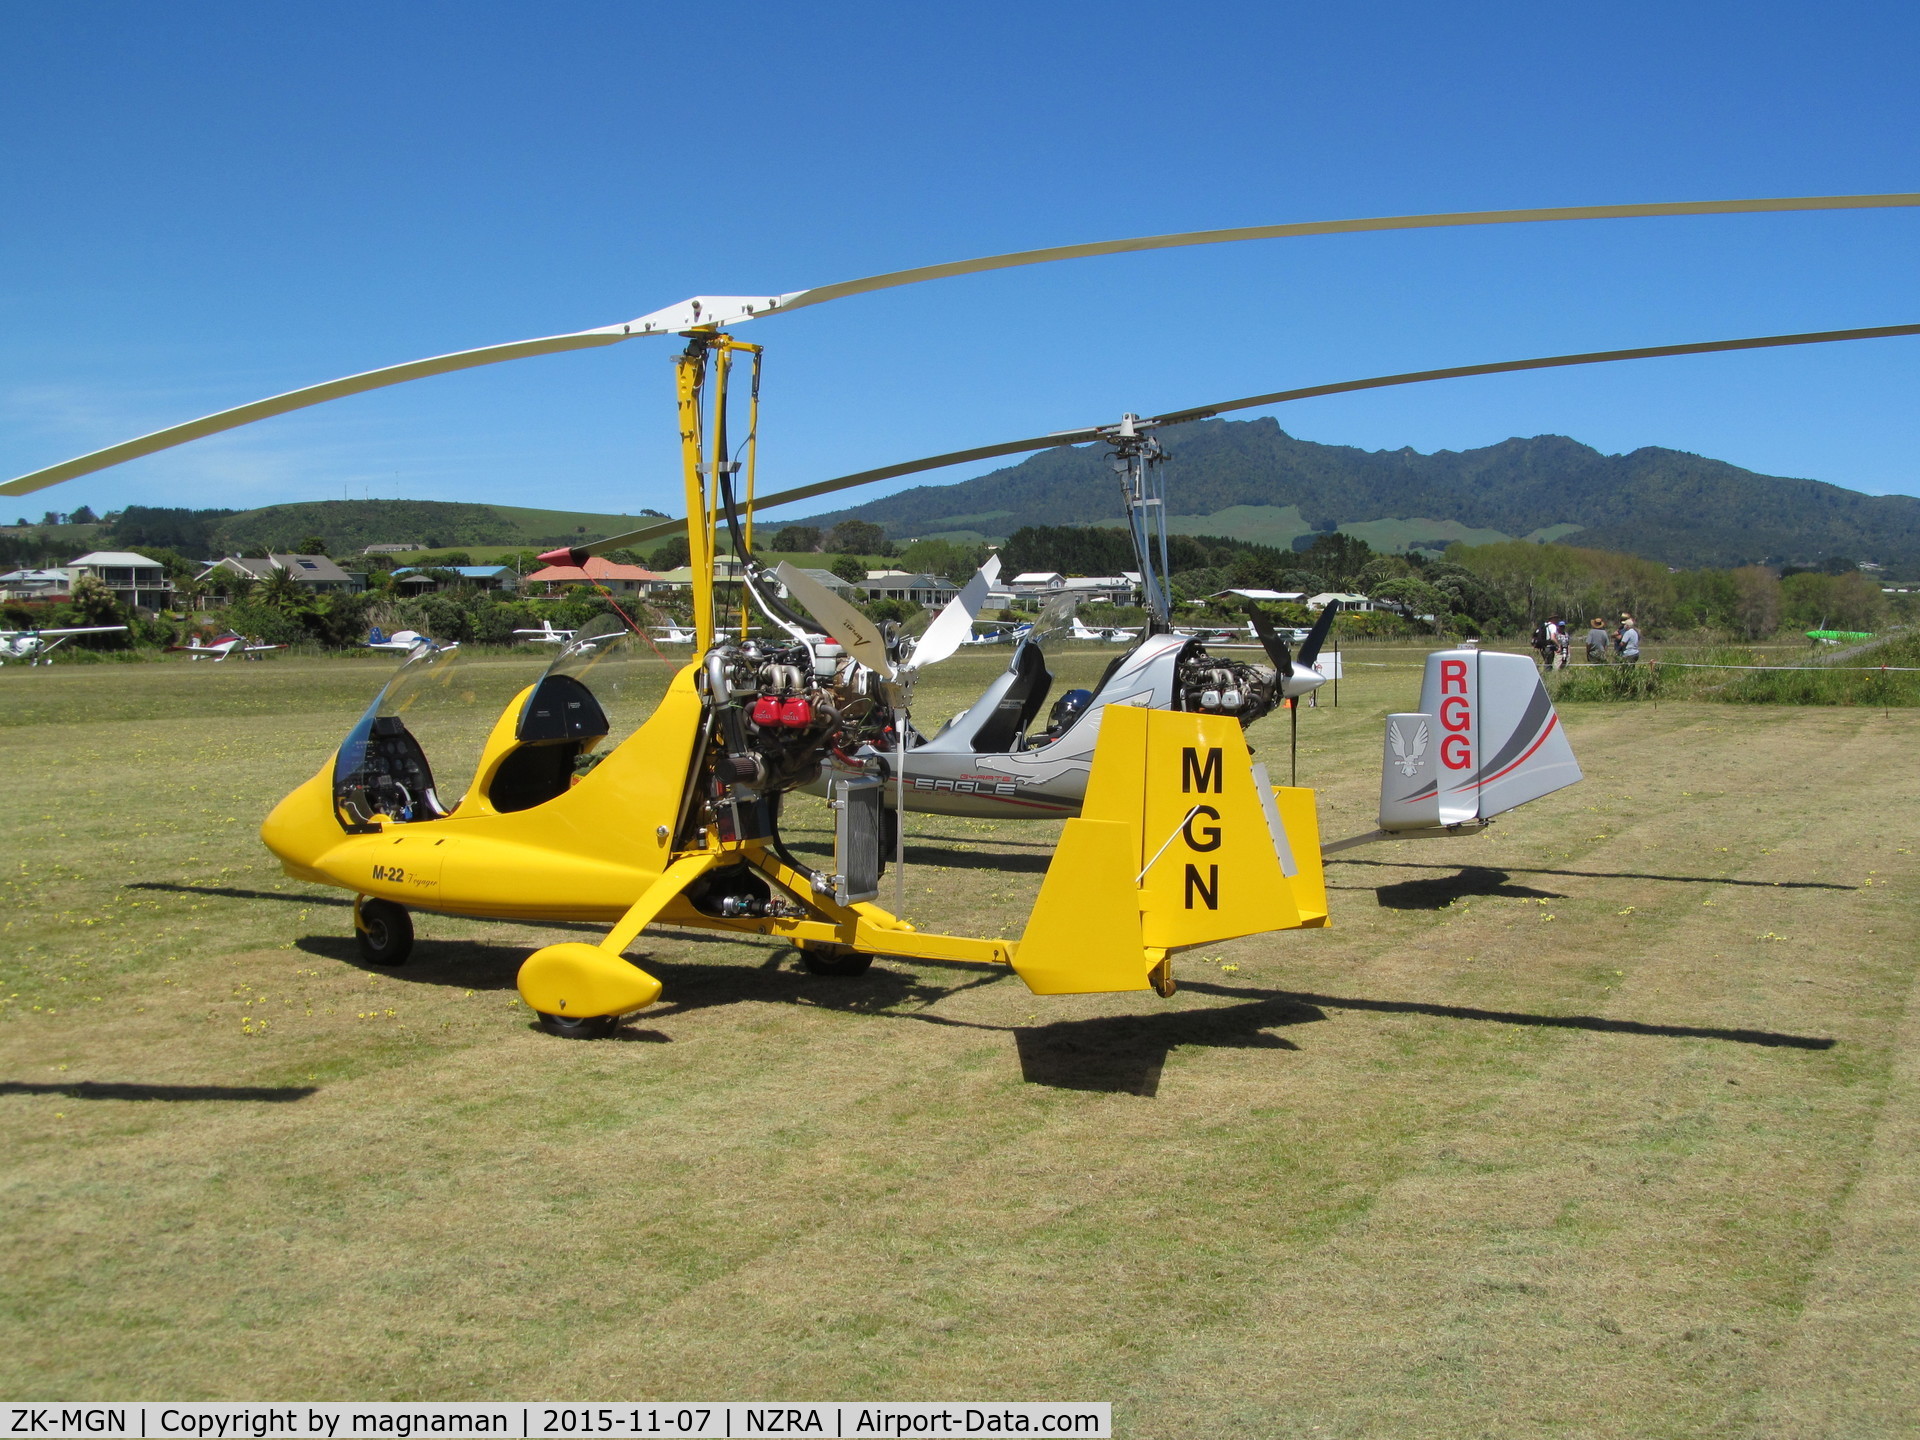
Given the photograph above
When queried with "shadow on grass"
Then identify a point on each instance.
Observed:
(1617, 875)
(1440, 891)
(1124, 1054)
(298, 897)
(1600, 1023)
(111, 1090)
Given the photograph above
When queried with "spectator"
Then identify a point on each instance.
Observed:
(1628, 640)
(1562, 643)
(1597, 642)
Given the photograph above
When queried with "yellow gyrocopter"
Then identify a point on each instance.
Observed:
(1180, 839)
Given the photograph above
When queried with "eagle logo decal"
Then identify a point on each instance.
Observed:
(1405, 756)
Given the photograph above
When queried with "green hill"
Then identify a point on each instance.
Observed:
(1252, 480)
(350, 525)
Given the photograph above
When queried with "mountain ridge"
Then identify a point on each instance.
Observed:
(1669, 505)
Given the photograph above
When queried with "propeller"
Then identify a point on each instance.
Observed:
(714, 311)
(866, 640)
(867, 643)
(1088, 433)
(1294, 675)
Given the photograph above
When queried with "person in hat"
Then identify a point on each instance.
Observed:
(1627, 640)
(1597, 642)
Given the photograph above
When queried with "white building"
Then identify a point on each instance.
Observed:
(1347, 601)
(135, 580)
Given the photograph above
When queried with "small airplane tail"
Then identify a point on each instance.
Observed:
(378, 637)
(1182, 841)
(1485, 740)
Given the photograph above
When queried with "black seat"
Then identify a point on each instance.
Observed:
(1018, 703)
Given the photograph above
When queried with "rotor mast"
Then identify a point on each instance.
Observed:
(1137, 458)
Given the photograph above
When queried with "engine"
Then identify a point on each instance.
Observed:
(774, 716)
(1217, 686)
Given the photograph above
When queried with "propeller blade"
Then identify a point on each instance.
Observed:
(1317, 636)
(859, 636)
(1270, 641)
(955, 621)
(713, 311)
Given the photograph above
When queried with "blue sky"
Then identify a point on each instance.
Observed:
(206, 204)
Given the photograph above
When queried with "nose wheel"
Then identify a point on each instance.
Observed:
(384, 931)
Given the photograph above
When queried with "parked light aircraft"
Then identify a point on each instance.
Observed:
(1181, 840)
(676, 635)
(403, 641)
(221, 647)
(36, 647)
(546, 635)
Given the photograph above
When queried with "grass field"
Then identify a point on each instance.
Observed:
(1603, 1124)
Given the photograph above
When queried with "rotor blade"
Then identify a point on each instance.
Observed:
(1317, 636)
(827, 487)
(1594, 357)
(859, 636)
(300, 399)
(1277, 397)
(712, 311)
(955, 621)
(823, 293)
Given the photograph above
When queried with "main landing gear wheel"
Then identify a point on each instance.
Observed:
(822, 958)
(579, 1027)
(385, 932)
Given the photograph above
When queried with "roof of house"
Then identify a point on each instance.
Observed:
(1099, 582)
(1345, 597)
(310, 567)
(598, 567)
(99, 558)
(470, 572)
(36, 576)
(301, 567)
(908, 580)
(1263, 594)
(1038, 577)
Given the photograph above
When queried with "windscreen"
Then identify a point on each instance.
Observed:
(436, 710)
(602, 685)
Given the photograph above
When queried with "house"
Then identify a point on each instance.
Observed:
(833, 582)
(726, 571)
(1347, 601)
(1296, 596)
(1112, 589)
(135, 580)
(598, 571)
(918, 588)
(417, 581)
(315, 574)
(390, 549)
(35, 585)
(1037, 582)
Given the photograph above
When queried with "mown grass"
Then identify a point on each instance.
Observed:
(1587, 1126)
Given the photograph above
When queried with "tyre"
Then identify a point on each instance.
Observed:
(579, 1027)
(823, 959)
(385, 932)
